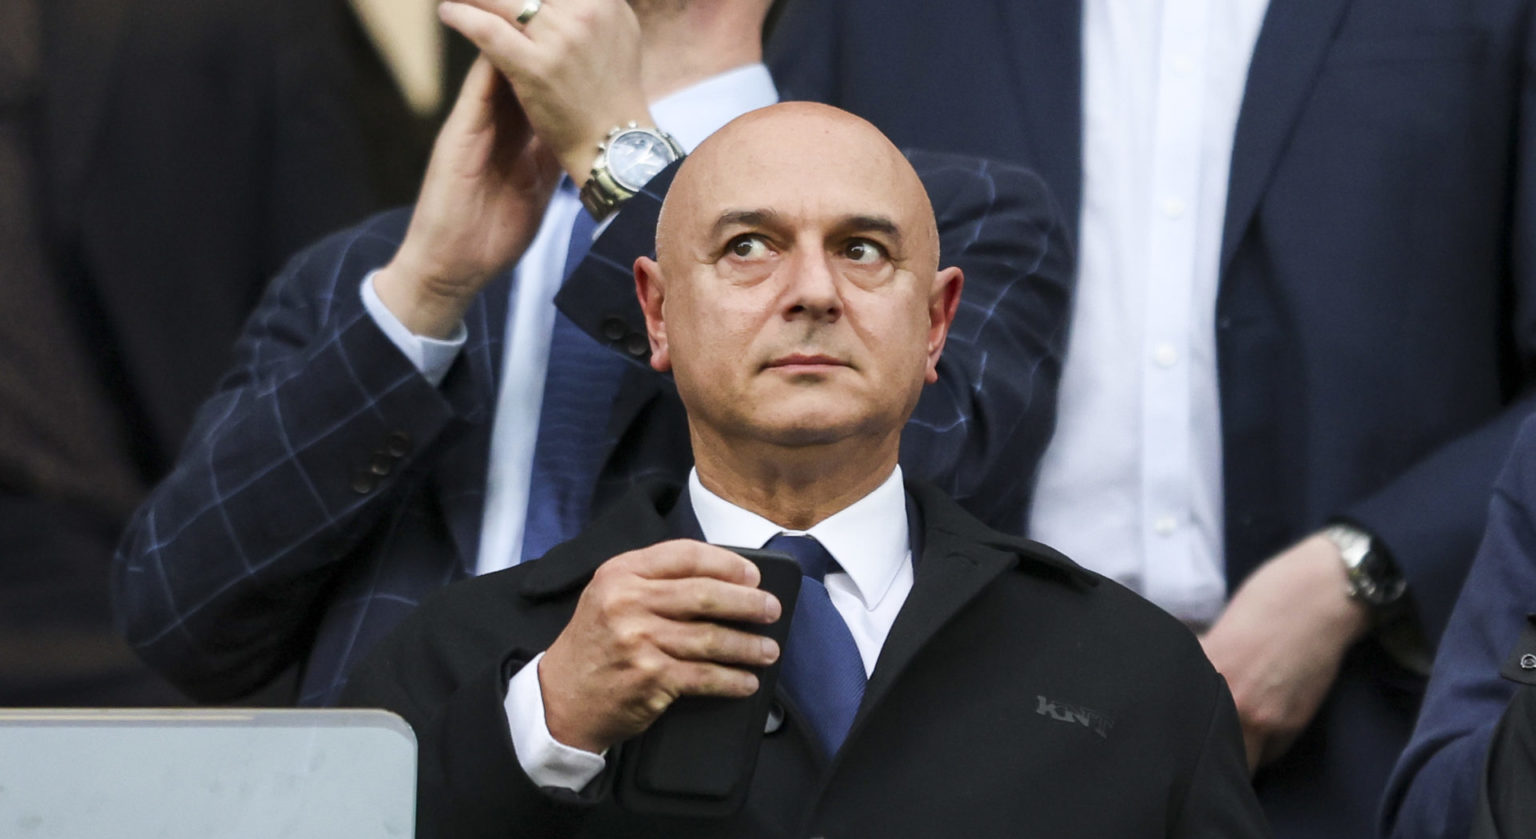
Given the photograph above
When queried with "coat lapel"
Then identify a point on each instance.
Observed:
(1286, 60)
(81, 42)
(960, 557)
(1046, 42)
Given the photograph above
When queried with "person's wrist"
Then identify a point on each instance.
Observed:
(1351, 617)
(580, 151)
(429, 305)
(565, 729)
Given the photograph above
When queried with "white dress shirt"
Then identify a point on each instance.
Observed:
(689, 115)
(1131, 483)
(869, 541)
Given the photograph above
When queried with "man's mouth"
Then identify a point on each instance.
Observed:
(805, 361)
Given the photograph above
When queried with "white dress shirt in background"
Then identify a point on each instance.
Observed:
(1131, 483)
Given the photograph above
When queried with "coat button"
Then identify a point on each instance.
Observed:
(614, 328)
(1528, 662)
(381, 463)
(775, 720)
(638, 346)
(397, 443)
(364, 482)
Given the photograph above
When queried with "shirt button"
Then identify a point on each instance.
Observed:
(1165, 355)
(1165, 526)
(1174, 207)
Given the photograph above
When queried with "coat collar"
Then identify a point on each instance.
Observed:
(960, 554)
(961, 557)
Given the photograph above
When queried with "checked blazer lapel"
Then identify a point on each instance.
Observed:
(1289, 53)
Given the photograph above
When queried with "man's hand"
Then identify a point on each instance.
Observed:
(484, 195)
(1280, 643)
(646, 631)
(575, 67)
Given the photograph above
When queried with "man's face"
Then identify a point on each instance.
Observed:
(796, 299)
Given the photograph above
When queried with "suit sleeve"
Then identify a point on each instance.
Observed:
(1432, 516)
(1434, 786)
(1219, 799)
(445, 670)
(305, 447)
(980, 431)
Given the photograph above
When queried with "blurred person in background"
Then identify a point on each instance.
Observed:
(1303, 332)
(158, 159)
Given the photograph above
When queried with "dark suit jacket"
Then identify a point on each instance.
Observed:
(956, 734)
(327, 486)
(1375, 331)
(181, 150)
(1435, 785)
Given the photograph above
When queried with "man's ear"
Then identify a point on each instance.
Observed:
(942, 305)
(652, 292)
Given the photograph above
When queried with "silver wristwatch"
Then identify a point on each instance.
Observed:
(626, 161)
(1373, 578)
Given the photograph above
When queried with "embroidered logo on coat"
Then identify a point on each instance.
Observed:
(1096, 721)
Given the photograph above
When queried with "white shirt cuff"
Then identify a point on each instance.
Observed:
(546, 761)
(431, 356)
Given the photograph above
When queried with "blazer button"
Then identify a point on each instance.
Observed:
(638, 345)
(614, 328)
(397, 443)
(775, 720)
(381, 463)
(364, 482)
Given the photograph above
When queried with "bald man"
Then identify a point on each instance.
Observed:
(798, 301)
(408, 408)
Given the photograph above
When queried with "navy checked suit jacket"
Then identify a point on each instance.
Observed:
(1376, 313)
(326, 486)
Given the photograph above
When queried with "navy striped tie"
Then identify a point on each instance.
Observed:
(822, 673)
(579, 386)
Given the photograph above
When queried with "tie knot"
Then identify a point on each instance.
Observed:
(814, 560)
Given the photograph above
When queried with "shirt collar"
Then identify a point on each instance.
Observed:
(699, 110)
(868, 538)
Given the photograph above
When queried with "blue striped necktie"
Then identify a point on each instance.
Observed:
(822, 673)
(579, 386)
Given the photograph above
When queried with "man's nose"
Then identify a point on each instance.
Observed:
(811, 286)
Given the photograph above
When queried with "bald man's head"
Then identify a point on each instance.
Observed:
(795, 295)
(789, 144)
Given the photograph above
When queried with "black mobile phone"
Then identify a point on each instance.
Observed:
(697, 758)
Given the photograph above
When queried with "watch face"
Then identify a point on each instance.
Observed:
(634, 157)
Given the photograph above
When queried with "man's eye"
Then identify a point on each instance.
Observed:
(747, 247)
(864, 252)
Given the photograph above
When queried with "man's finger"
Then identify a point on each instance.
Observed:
(497, 38)
(681, 558)
(709, 642)
(707, 598)
(707, 679)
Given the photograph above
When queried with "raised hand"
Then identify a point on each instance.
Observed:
(484, 195)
